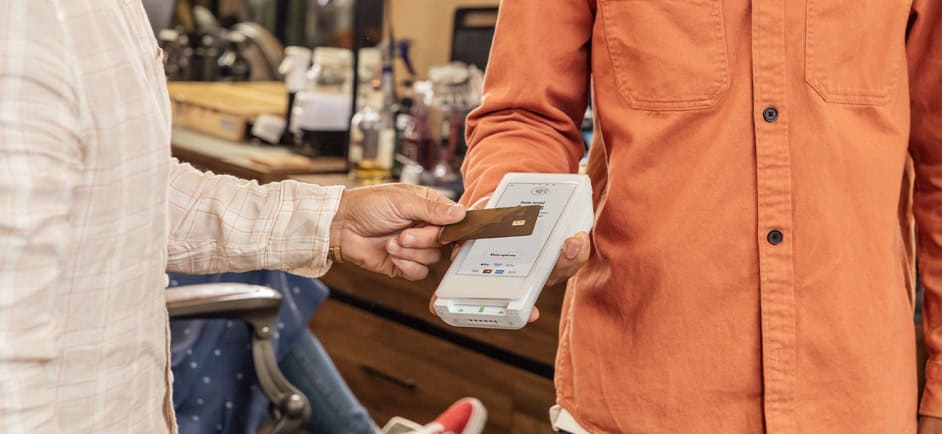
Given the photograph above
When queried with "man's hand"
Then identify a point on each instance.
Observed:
(930, 425)
(369, 219)
(574, 254)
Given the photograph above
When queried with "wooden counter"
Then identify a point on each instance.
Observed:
(398, 358)
(238, 158)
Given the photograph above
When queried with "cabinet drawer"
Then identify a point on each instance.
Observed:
(536, 341)
(395, 370)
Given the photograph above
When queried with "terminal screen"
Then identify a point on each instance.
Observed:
(515, 256)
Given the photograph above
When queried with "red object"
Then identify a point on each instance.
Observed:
(467, 416)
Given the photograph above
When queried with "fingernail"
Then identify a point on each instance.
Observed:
(454, 210)
(408, 240)
(572, 249)
(394, 246)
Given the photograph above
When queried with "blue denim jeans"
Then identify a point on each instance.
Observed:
(334, 409)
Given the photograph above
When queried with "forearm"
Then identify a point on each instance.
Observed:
(220, 224)
(535, 95)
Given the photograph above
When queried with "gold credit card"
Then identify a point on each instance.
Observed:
(516, 221)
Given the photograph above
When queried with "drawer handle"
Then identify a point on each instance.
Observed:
(404, 383)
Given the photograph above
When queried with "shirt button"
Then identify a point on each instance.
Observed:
(775, 237)
(770, 114)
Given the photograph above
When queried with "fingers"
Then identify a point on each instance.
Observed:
(431, 304)
(424, 256)
(428, 206)
(575, 253)
(534, 314)
(420, 238)
(410, 270)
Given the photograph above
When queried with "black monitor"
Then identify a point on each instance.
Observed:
(473, 35)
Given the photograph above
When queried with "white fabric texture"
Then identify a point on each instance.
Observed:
(93, 211)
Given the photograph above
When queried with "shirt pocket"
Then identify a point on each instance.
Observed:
(667, 54)
(854, 50)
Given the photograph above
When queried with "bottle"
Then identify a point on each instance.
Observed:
(322, 111)
(446, 121)
(294, 68)
(232, 64)
(391, 110)
(403, 118)
(416, 145)
(208, 54)
(372, 141)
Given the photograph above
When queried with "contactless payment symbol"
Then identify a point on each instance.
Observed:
(540, 191)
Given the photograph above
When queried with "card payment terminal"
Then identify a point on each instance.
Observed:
(494, 283)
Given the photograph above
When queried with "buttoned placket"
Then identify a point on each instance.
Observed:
(775, 226)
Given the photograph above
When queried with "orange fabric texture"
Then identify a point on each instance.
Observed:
(692, 315)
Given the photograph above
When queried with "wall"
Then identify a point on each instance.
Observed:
(429, 23)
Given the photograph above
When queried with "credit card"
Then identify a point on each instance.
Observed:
(516, 221)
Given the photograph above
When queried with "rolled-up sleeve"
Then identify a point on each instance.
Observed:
(220, 223)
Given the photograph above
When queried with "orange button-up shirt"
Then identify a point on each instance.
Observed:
(750, 268)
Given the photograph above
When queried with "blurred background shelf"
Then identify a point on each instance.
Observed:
(262, 163)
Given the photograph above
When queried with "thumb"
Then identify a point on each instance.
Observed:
(431, 208)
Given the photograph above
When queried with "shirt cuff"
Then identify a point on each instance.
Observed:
(314, 210)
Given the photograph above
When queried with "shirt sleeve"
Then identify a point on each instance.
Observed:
(535, 94)
(220, 224)
(40, 167)
(924, 47)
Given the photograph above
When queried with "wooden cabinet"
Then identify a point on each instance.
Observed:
(399, 359)
(536, 342)
(397, 370)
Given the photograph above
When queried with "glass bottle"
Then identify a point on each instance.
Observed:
(446, 121)
(372, 141)
(416, 143)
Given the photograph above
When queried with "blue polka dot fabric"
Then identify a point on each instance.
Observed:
(215, 389)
